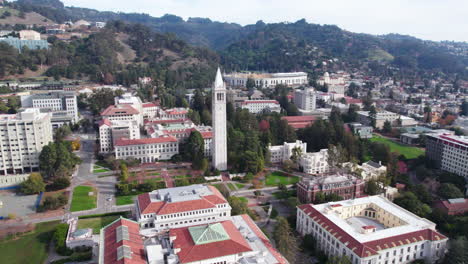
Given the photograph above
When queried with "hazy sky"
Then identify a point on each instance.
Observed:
(426, 19)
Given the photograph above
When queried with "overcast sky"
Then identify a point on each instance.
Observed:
(426, 19)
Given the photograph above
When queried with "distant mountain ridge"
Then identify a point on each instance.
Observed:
(280, 46)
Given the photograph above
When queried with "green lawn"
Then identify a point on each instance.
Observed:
(239, 185)
(81, 200)
(277, 177)
(243, 199)
(96, 223)
(217, 186)
(407, 151)
(28, 248)
(182, 176)
(125, 199)
(99, 169)
(155, 174)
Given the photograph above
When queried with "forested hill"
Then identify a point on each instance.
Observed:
(285, 46)
(119, 54)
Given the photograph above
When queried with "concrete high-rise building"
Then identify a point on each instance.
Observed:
(62, 105)
(22, 137)
(305, 99)
(219, 123)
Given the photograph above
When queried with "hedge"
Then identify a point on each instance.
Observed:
(124, 213)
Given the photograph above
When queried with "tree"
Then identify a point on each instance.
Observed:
(33, 185)
(238, 206)
(410, 202)
(285, 240)
(336, 155)
(458, 251)
(339, 260)
(62, 132)
(288, 165)
(449, 191)
(123, 173)
(296, 154)
(250, 84)
(387, 127)
(194, 150)
(48, 159)
(372, 187)
(464, 108)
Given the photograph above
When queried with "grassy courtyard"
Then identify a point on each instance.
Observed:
(276, 178)
(81, 199)
(407, 151)
(96, 223)
(124, 199)
(99, 169)
(30, 247)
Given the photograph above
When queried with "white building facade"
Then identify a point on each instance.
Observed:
(60, 104)
(163, 209)
(371, 230)
(315, 162)
(147, 150)
(284, 152)
(305, 99)
(260, 106)
(267, 80)
(22, 137)
(219, 123)
(111, 131)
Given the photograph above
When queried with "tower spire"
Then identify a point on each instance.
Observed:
(218, 83)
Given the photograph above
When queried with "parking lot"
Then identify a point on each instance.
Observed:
(20, 205)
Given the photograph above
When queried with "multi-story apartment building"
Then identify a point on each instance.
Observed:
(346, 186)
(62, 105)
(147, 149)
(360, 130)
(129, 99)
(22, 137)
(382, 116)
(305, 99)
(181, 206)
(284, 152)
(266, 80)
(150, 110)
(315, 162)
(260, 106)
(111, 131)
(450, 152)
(371, 230)
(122, 112)
(368, 170)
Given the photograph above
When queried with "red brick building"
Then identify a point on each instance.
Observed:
(346, 186)
(453, 206)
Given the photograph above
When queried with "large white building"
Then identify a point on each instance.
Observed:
(234, 240)
(315, 162)
(181, 206)
(371, 230)
(305, 99)
(284, 152)
(219, 123)
(382, 116)
(22, 137)
(111, 131)
(147, 150)
(260, 106)
(62, 105)
(449, 152)
(122, 112)
(267, 80)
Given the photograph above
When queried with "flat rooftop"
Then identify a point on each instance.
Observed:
(411, 221)
(179, 194)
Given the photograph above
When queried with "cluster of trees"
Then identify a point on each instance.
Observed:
(11, 106)
(131, 188)
(57, 160)
(285, 239)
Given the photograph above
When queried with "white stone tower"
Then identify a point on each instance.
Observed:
(219, 123)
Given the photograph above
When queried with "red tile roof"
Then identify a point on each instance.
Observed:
(207, 134)
(135, 243)
(162, 207)
(371, 247)
(149, 105)
(105, 121)
(190, 252)
(167, 121)
(298, 122)
(453, 208)
(122, 109)
(142, 141)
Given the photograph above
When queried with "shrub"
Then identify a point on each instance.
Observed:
(53, 203)
(60, 236)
